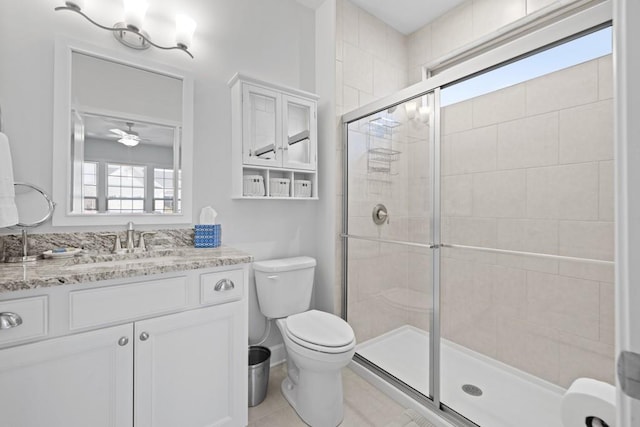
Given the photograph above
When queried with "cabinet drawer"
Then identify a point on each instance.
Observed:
(214, 289)
(115, 303)
(33, 312)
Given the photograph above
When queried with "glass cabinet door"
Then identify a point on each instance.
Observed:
(262, 126)
(299, 131)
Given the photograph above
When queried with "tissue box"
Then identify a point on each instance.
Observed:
(207, 236)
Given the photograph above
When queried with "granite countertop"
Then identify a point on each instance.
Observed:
(93, 268)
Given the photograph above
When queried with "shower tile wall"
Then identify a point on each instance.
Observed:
(374, 60)
(529, 168)
(371, 63)
(382, 294)
(468, 22)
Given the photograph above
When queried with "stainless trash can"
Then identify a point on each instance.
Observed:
(259, 359)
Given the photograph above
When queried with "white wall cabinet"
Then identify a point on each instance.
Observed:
(184, 365)
(274, 137)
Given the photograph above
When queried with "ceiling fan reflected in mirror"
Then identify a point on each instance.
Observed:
(128, 137)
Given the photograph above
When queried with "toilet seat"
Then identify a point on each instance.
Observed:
(320, 331)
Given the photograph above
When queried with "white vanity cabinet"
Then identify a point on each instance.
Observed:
(274, 137)
(181, 364)
(187, 369)
(78, 380)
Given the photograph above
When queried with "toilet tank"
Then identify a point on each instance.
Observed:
(284, 286)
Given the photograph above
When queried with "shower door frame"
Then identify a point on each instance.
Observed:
(567, 28)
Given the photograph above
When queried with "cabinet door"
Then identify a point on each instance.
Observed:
(261, 126)
(300, 133)
(76, 381)
(191, 369)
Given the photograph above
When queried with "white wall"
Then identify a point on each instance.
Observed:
(270, 39)
(328, 180)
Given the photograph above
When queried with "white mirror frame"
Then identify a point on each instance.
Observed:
(63, 216)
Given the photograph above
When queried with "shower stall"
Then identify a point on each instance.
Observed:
(478, 231)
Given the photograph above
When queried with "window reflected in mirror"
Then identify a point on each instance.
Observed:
(126, 167)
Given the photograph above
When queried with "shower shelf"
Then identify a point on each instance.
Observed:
(383, 155)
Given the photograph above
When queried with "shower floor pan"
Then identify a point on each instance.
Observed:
(509, 398)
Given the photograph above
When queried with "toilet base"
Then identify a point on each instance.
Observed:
(316, 409)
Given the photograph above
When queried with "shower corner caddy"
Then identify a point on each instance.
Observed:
(274, 141)
(380, 154)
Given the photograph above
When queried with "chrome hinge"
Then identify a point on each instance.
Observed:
(629, 373)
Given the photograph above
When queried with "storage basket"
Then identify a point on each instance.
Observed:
(253, 185)
(279, 187)
(302, 188)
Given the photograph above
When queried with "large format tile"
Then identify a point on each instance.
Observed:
(566, 88)
(499, 194)
(357, 68)
(528, 142)
(457, 117)
(586, 239)
(586, 133)
(607, 191)
(491, 15)
(529, 348)
(470, 151)
(564, 303)
(457, 195)
(499, 106)
(563, 192)
(528, 235)
(372, 34)
(452, 30)
(605, 77)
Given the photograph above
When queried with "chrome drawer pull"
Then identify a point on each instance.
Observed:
(224, 285)
(9, 320)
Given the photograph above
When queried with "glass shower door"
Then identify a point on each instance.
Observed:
(389, 256)
(527, 234)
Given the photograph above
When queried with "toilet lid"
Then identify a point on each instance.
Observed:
(320, 328)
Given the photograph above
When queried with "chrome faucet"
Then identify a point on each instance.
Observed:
(130, 245)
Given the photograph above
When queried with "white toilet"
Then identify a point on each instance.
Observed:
(318, 344)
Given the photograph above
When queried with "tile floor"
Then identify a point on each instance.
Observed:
(364, 406)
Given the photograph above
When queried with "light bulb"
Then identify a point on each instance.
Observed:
(410, 108)
(423, 112)
(134, 11)
(185, 27)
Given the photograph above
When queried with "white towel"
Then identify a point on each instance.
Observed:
(8, 209)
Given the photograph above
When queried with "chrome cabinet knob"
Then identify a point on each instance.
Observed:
(123, 341)
(144, 336)
(224, 285)
(9, 320)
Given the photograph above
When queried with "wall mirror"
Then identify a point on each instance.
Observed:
(123, 131)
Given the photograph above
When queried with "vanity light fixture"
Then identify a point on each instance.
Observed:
(130, 32)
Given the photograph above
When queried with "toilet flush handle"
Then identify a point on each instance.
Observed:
(272, 277)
